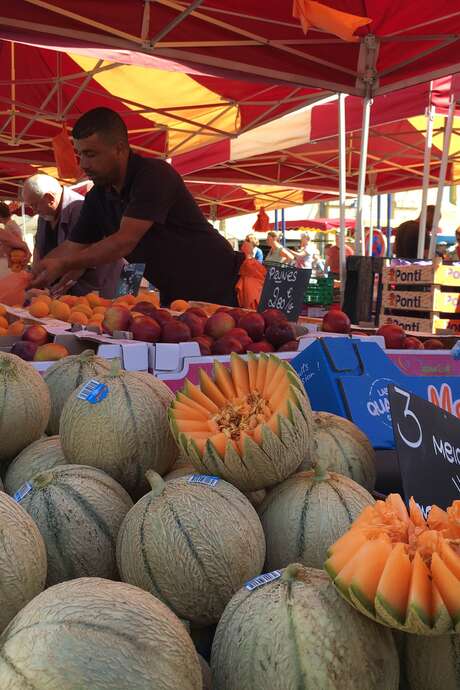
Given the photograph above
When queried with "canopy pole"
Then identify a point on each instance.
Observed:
(276, 219)
(13, 93)
(371, 225)
(430, 113)
(342, 194)
(442, 175)
(283, 228)
(389, 213)
(379, 212)
(359, 229)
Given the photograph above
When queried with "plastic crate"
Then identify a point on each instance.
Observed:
(320, 291)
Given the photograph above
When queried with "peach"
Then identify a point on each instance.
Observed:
(162, 316)
(51, 352)
(279, 333)
(194, 322)
(261, 346)
(226, 345)
(219, 324)
(290, 346)
(205, 344)
(146, 329)
(336, 321)
(272, 316)
(433, 344)
(25, 350)
(36, 334)
(117, 318)
(237, 313)
(411, 343)
(198, 311)
(393, 334)
(254, 324)
(175, 331)
(146, 308)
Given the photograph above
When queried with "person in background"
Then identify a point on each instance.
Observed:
(453, 253)
(406, 241)
(333, 257)
(251, 249)
(277, 254)
(304, 255)
(10, 238)
(58, 210)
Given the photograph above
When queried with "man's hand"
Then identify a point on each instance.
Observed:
(67, 281)
(47, 272)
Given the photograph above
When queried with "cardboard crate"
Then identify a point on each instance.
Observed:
(416, 323)
(433, 300)
(420, 274)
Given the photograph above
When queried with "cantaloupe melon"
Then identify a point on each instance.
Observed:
(24, 406)
(22, 560)
(192, 544)
(394, 567)
(182, 471)
(78, 511)
(296, 632)
(65, 376)
(340, 446)
(124, 434)
(41, 455)
(244, 428)
(94, 634)
(431, 663)
(304, 515)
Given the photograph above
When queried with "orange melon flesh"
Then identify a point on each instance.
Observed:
(440, 613)
(448, 586)
(183, 399)
(279, 396)
(181, 411)
(419, 599)
(347, 573)
(437, 518)
(343, 551)
(194, 393)
(272, 370)
(240, 376)
(186, 426)
(252, 372)
(399, 507)
(278, 379)
(393, 587)
(224, 381)
(415, 514)
(368, 571)
(210, 389)
(219, 443)
(450, 558)
(272, 423)
(261, 373)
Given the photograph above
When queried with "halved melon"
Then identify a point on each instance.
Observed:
(250, 424)
(400, 569)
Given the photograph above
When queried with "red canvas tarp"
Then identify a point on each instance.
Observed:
(406, 42)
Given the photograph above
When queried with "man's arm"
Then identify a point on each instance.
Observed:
(109, 249)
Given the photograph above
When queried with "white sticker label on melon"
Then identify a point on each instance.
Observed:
(262, 580)
(206, 479)
(22, 492)
(93, 391)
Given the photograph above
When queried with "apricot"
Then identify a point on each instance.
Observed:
(39, 309)
(16, 328)
(78, 317)
(93, 300)
(50, 352)
(60, 310)
(3, 331)
(3, 322)
(179, 305)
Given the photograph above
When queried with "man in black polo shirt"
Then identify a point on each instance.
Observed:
(140, 209)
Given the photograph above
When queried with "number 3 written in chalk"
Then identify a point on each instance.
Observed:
(409, 415)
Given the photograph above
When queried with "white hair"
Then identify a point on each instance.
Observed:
(39, 185)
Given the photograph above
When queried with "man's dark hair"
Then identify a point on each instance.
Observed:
(4, 211)
(103, 121)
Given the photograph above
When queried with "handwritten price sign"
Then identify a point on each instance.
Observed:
(284, 289)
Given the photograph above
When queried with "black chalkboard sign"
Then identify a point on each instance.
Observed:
(428, 446)
(284, 289)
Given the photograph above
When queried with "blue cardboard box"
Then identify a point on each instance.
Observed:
(350, 378)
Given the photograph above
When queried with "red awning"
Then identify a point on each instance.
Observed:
(405, 43)
(395, 156)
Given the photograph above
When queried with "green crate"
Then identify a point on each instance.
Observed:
(320, 291)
